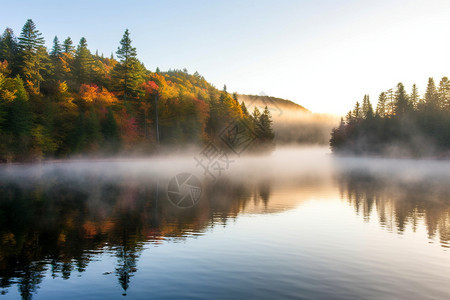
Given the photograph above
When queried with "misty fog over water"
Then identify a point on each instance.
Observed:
(298, 223)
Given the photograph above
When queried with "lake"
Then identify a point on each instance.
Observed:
(299, 223)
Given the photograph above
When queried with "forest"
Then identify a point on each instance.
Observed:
(66, 101)
(402, 125)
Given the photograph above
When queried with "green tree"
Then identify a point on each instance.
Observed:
(31, 54)
(367, 109)
(8, 46)
(390, 102)
(357, 111)
(444, 93)
(414, 97)
(83, 63)
(57, 48)
(262, 124)
(381, 105)
(256, 117)
(349, 117)
(401, 101)
(266, 124)
(67, 46)
(431, 98)
(128, 72)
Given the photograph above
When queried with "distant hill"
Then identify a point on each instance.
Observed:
(276, 105)
(292, 122)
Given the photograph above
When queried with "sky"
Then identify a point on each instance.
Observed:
(324, 55)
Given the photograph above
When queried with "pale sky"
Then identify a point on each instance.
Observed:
(324, 55)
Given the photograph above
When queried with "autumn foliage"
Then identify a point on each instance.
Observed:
(67, 101)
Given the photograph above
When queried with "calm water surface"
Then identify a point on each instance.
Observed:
(297, 224)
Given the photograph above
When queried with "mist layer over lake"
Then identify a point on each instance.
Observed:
(299, 223)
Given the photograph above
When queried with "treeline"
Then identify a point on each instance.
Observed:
(292, 123)
(67, 101)
(403, 124)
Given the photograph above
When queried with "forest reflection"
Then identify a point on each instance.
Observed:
(56, 224)
(52, 223)
(400, 204)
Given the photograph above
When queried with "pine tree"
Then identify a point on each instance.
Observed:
(31, 54)
(244, 109)
(83, 62)
(414, 97)
(266, 124)
(256, 116)
(431, 98)
(401, 101)
(390, 102)
(262, 124)
(444, 93)
(68, 46)
(8, 46)
(367, 109)
(57, 48)
(381, 106)
(349, 117)
(357, 111)
(128, 72)
(369, 114)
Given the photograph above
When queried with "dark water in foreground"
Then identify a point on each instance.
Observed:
(299, 224)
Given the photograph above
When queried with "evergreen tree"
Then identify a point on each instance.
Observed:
(31, 52)
(244, 109)
(68, 46)
(262, 124)
(431, 98)
(390, 102)
(266, 124)
(128, 73)
(369, 114)
(83, 62)
(349, 117)
(256, 117)
(57, 48)
(381, 106)
(8, 46)
(414, 97)
(401, 101)
(357, 111)
(367, 107)
(444, 93)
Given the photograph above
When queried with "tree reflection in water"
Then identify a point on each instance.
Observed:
(52, 223)
(400, 203)
(55, 224)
